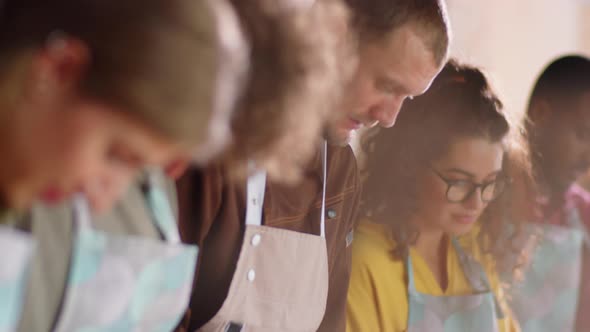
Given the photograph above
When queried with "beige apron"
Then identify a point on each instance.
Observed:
(281, 279)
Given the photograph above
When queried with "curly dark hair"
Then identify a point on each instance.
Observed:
(460, 103)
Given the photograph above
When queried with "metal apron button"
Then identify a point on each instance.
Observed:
(332, 214)
(256, 240)
(251, 275)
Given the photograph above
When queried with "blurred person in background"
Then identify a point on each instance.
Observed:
(83, 111)
(92, 92)
(584, 181)
(277, 257)
(53, 281)
(555, 292)
(435, 202)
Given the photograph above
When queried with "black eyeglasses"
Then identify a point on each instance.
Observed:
(458, 191)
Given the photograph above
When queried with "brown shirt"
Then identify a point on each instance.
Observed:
(212, 212)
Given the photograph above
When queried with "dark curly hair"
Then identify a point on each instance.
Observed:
(460, 103)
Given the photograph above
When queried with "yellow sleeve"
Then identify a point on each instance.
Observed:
(377, 299)
(361, 313)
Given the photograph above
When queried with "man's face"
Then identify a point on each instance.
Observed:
(390, 69)
(82, 147)
(563, 141)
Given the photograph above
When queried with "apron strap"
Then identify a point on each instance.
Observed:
(256, 187)
(324, 181)
(81, 212)
(575, 221)
(410, 274)
(473, 271)
(161, 212)
(157, 203)
(255, 198)
(476, 275)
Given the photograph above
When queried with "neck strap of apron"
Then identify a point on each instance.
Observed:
(410, 274)
(324, 181)
(574, 220)
(81, 212)
(474, 273)
(256, 187)
(160, 211)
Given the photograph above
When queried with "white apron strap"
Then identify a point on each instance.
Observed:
(81, 211)
(255, 195)
(255, 198)
(324, 181)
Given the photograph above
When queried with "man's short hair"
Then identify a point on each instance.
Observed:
(375, 19)
(564, 79)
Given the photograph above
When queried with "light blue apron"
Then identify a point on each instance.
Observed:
(547, 298)
(16, 249)
(477, 312)
(126, 283)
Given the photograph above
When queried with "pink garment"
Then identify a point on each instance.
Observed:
(579, 197)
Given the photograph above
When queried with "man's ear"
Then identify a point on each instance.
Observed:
(176, 168)
(540, 111)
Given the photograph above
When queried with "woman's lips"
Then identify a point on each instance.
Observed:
(465, 219)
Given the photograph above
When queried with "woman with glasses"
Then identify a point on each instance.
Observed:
(436, 205)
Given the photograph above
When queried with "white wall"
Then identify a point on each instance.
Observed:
(514, 39)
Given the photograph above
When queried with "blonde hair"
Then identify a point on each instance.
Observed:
(301, 59)
(160, 61)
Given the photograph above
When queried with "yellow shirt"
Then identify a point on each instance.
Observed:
(377, 296)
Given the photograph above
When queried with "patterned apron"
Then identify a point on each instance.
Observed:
(547, 298)
(16, 249)
(126, 283)
(460, 313)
